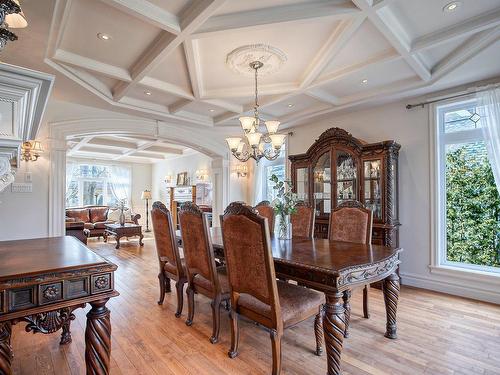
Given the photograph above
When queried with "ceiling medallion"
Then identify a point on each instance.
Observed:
(239, 59)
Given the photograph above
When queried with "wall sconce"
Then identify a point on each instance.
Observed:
(201, 175)
(169, 179)
(31, 150)
(241, 170)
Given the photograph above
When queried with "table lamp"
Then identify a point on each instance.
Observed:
(146, 195)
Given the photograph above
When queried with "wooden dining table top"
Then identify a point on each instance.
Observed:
(320, 254)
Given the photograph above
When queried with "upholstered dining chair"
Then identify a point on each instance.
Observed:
(303, 221)
(352, 222)
(203, 275)
(171, 264)
(255, 292)
(265, 209)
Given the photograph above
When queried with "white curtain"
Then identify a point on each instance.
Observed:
(120, 182)
(489, 102)
(258, 180)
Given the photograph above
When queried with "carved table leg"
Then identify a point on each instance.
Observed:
(141, 236)
(117, 242)
(5, 348)
(333, 328)
(346, 297)
(318, 331)
(98, 339)
(391, 295)
(66, 333)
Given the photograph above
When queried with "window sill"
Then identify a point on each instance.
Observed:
(466, 274)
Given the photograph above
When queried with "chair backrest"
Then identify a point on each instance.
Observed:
(303, 221)
(249, 258)
(265, 209)
(198, 251)
(351, 222)
(166, 244)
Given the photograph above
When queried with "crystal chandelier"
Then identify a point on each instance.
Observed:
(253, 145)
(11, 17)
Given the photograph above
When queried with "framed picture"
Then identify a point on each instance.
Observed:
(182, 179)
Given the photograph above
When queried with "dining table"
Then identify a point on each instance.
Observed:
(333, 268)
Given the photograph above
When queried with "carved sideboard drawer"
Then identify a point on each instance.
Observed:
(49, 293)
(22, 298)
(101, 283)
(77, 287)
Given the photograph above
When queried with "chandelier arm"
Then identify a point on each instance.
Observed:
(241, 157)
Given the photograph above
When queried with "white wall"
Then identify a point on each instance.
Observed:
(411, 130)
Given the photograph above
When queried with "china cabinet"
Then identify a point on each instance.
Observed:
(338, 168)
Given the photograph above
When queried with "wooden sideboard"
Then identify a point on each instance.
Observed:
(338, 167)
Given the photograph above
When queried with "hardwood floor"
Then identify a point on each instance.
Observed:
(438, 334)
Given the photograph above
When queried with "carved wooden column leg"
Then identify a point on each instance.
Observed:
(346, 297)
(318, 331)
(66, 332)
(98, 339)
(5, 348)
(333, 328)
(391, 295)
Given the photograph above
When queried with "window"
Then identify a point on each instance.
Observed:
(277, 169)
(469, 202)
(90, 184)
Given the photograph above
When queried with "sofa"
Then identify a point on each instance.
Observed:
(95, 218)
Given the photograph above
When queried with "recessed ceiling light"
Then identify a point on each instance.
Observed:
(289, 105)
(103, 36)
(148, 93)
(364, 82)
(451, 7)
(212, 110)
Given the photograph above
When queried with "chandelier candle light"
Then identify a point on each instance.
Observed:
(254, 143)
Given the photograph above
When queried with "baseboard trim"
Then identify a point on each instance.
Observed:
(450, 287)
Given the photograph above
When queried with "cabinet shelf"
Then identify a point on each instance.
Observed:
(347, 180)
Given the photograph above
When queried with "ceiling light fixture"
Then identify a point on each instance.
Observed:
(451, 7)
(364, 82)
(148, 93)
(103, 36)
(289, 105)
(9, 15)
(254, 144)
(212, 110)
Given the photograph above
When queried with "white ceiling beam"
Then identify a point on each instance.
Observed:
(166, 43)
(142, 147)
(236, 108)
(106, 142)
(149, 155)
(164, 150)
(337, 40)
(179, 105)
(388, 24)
(100, 150)
(192, 54)
(166, 87)
(466, 51)
(92, 65)
(249, 91)
(274, 15)
(148, 12)
(466, 28)
(79, 145)
(323, 96)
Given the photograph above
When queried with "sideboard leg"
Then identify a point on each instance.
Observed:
(98, 339)
(5, 348)
(391, 295)
(346, 297)
(334, 329)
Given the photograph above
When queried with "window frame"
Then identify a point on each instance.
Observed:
(439, 141)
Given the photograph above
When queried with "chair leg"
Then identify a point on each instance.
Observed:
(190, 296)
(179, 285)
(161, 279)
(366, 312)
(318, 331)
(235, 335)
(276, 348)
(215, 319)
(346, 296)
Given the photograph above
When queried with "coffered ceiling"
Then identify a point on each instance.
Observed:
(165, 59)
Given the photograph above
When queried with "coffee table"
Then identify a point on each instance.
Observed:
(126, 230)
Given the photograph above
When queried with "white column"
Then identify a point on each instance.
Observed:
(57, 187)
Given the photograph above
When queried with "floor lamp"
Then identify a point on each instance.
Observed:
(146, 195)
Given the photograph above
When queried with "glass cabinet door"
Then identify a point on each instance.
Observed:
(372, 187)
(347, 177)
(302, 181)
(322, 184)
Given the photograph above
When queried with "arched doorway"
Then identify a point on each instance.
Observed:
(199, 140)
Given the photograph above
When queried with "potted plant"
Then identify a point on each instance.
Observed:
(284, 205)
